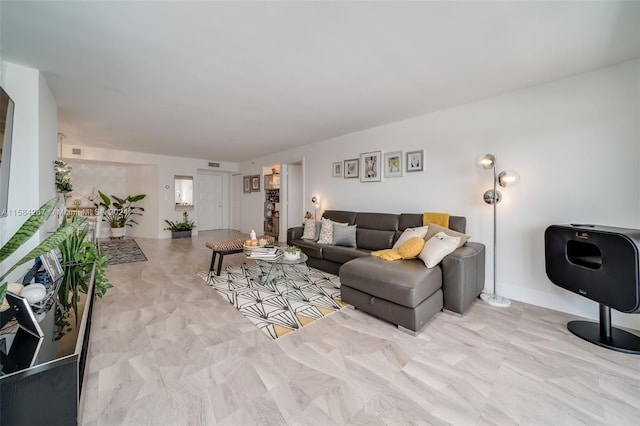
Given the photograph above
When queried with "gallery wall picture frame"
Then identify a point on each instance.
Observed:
(246, 184)
(52, 265)
(415, 161)
(255, 183)
(371, 166)
(351, 168)
(393, 164)
(337, 169)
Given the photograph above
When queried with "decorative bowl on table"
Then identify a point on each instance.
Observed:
(292, 253)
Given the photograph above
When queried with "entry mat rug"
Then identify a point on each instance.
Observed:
(124, 250)
(299, 297)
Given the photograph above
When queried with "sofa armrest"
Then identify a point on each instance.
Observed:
(463, 276)
(294, 233)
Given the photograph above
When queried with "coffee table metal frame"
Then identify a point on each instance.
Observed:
(276, 267)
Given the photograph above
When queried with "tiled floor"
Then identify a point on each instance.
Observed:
(166, 349)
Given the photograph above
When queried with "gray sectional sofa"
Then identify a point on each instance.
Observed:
(403, 292)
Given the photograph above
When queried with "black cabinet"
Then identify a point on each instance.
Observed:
(49, 391)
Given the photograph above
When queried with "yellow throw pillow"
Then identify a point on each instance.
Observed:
(387, 254)
(411, 248)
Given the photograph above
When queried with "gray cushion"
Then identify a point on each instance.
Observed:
(409, 220)
(342, 254)
(344, 235)
(378, 221)
(372, 239)
(340, 216)
(405, 282)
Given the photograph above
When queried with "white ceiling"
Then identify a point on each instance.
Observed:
(233, 81)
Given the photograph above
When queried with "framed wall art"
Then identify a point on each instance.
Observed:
(255, 183)
(52, 265)
(351, 168)
(246, 184)
(415, 160)
(370, 166)
(337, 169)
(393, 164)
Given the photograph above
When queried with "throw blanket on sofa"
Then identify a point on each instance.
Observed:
(410, 249)
(387, 254)
(441, 219)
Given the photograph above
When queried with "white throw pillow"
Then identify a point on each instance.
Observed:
(326, 232)
(437, 247)
(410, 233)
(309, 229)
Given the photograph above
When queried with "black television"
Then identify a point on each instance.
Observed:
(6, 133)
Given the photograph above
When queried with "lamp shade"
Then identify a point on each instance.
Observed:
(487, 161)
(508, 178)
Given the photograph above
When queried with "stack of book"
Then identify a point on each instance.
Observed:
(264, 253)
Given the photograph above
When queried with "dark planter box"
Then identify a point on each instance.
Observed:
(181, 234)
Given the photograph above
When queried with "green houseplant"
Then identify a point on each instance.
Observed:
(180, 229)
(63, 176)
(291, 253)
(120, 212)
(79, 257)
(25, 232)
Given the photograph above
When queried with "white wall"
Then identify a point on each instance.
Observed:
(575, 142)
(144, 180)
(31, 181)
(158, 187)
(88, 178)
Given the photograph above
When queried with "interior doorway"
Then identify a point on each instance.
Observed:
(211, 202)
(292, 197)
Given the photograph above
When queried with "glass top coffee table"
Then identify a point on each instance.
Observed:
(276, 268)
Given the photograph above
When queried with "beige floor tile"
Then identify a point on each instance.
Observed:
(166, 349)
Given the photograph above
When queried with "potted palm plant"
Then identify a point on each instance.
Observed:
(120, 212)
(180, 229)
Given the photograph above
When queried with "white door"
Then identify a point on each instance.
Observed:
(295, 209)
(209, 202)
(291, 195)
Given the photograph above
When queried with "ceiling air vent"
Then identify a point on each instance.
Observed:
(217, 165)
(76, 151)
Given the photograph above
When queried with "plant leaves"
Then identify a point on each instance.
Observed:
(52, 242)
(28, 229)
(134, 198)
(105, 199)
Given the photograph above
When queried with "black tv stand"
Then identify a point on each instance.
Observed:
(50, 391)
(603, 334)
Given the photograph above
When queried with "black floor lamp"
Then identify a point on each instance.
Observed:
(493, 196)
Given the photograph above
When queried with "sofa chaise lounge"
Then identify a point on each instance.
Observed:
(403, 292)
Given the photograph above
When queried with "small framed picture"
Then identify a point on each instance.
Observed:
(351, 168)
(255, 183)
(337, 169)
(393, 164)
(246, 184)
(52, 265)
(415, 160)
(370, 166)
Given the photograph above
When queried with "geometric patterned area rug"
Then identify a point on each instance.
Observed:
(298, 298)
(124, 250)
